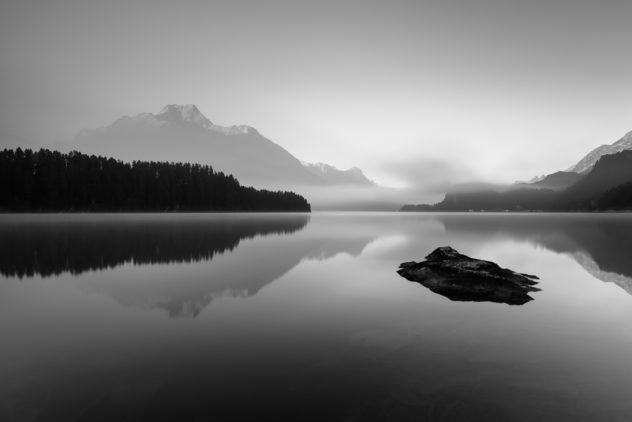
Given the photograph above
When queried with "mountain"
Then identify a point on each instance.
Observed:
(602, 180)
(606, 186)
(563, 179)
(586, 163)
(334, 176)
(181, 133)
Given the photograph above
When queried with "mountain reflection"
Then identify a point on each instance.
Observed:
(600, 245)
(186, 291)
(52, 246)
(220, 263)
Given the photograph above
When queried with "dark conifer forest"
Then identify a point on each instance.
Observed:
(52, 181)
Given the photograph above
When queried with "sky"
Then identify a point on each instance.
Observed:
(416, 93)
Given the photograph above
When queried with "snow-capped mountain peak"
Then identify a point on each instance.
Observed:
(586, 163)
(184, 113)
(625, 141)
(181, 133)
(170, 115)
(189, 113)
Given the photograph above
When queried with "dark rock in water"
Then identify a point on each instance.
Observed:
(459, 277)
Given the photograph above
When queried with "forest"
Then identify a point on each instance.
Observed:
(47, 180)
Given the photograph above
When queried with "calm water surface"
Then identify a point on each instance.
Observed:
(236, 317)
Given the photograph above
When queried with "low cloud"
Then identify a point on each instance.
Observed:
(428, 179)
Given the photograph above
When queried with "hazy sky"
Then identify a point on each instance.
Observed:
(410, 91)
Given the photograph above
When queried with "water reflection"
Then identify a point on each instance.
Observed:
(207, 254)
(601, 244)
(52, 245)
(185, 291)
(327, 329)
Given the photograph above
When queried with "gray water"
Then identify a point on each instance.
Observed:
(236, 317)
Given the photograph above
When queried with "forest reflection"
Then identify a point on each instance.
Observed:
(52, 246)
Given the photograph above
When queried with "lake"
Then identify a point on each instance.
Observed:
(238, 317)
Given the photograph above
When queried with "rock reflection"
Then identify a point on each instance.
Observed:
(600, 245)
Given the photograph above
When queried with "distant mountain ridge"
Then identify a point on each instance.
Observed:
(606, 186)
(335, 176)
(181, 133)
(564, 179)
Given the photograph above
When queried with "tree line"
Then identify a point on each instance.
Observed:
(47, 180)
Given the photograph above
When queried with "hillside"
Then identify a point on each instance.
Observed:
(559, 180)
(608, 172)
(618, 198)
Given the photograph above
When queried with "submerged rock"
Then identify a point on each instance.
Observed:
(461, 278)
